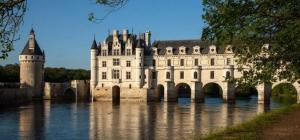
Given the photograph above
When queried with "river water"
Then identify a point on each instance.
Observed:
(103, 120)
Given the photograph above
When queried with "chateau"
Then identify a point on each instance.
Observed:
(128, 67)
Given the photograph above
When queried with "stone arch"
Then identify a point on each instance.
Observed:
(69, 93)
(116, 94)
(245, 91)
(160, 90)
(213, 89)
(291, 88)
(183, 90)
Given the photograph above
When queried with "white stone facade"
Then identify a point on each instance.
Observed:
(127, 67)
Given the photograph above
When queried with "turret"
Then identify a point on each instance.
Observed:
(32, 60)
(139, 53)
(94, 51)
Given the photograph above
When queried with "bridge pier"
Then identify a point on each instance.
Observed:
(264, 93)
(228, 91)
(197, 94)
(169, 95)
(297, 87)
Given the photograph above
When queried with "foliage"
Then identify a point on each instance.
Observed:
(11, 17)
(250, 24)
(252, 128)
(10, 73)
(284, 89)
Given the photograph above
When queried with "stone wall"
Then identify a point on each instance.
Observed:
(14, 96)
(126, 94)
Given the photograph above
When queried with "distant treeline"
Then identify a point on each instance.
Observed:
(10, 73)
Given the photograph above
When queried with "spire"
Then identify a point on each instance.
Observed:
(94, 44)
(31, 31)
(32, 47)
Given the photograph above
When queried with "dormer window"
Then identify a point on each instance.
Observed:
(182, 50)
(228, 49)
(169, 50)
(196, 50)
(154, 51)
(212, 49)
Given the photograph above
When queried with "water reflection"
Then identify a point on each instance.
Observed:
(104, 120)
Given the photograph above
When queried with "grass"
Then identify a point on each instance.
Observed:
(250, 129)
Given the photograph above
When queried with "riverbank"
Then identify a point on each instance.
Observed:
(281, 123)
(11, 97)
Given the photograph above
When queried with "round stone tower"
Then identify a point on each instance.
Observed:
(32, 61)
(94, 77)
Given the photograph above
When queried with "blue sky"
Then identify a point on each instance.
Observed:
(64, 32)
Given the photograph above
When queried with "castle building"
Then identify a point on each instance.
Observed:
(32, 60)
(128, 67)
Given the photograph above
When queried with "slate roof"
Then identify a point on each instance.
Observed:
(189, 44)
(36, 51)
(94, 45)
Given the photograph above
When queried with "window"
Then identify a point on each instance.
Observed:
(212, 61)
(104, 52)
(128, 52)
(103, 63)
(195, 75)
(116, 74)
(153, 62)
(196, 62)
(128, 75)
(168, 75)
(169, 62)
(102, 85)
(130, 86)
(181, 62)
(227, 75)
(116, 62)
(116, 52)
(140, 54)
(128, 63)
(153, 75)
(181, 75)
(212, 74)
(103, 75)
(228, 61)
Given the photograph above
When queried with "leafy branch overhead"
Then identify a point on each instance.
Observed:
(113, 6)
(11, 15)
(251, 24)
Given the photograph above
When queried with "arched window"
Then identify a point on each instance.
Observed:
(227, 75)
(195, 75)
(168, 75)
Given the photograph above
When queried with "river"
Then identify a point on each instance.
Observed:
(128, 120)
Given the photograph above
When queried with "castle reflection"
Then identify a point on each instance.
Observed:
(103, 120)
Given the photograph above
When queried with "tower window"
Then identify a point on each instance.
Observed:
(153, 75)
(130, 86)
(169, 62)
(116, 74)
(128, 63)
(181, 62)
(195, 75)
(196, 62)
(227, 75)
(212, 62)
(168, 75)
(103, 75)
(212, 74)
(116, 62)
(103, 63)
(181, 75)
(128, 52)
(128, 75)
(153, 62)
(228, 61)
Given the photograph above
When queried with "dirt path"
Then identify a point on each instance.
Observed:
(287, 128)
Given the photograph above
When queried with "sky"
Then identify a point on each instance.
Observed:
(64, 32)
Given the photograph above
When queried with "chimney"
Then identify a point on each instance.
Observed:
(125, 35)
(148, 38)
(115, 35)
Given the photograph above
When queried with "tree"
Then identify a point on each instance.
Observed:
(12, 13)
(250, 24)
